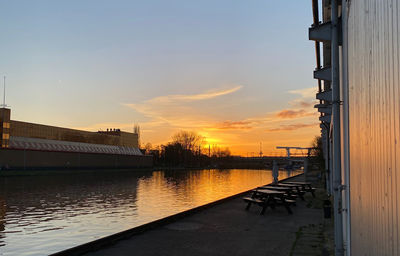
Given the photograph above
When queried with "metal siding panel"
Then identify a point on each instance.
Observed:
(374, 124)
(68, 146)
(396, 68)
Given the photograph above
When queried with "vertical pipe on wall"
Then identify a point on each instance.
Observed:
(337, 181)
(346, 146)
(327, 158)
(331, 165)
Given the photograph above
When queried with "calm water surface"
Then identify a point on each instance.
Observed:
(40, 215)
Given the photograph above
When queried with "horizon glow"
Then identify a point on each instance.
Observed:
(238, 73)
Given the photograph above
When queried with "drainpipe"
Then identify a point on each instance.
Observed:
(346, 146)
(337, 179)
(327, 160)
(331, 163)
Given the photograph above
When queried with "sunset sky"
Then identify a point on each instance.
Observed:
(237, 72)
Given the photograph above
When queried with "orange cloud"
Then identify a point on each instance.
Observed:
(303, 103)
(292, 127)
(292, 114)
(234, 125)
(200, 112)
(306, 92)
(306, 99)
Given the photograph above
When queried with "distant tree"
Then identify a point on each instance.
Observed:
(148, 147)
(188, 140)
(317, 150)
(216, 151)
(174, 154)
(225, 153)
(185, 150)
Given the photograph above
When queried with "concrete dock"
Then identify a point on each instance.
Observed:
(228, 229)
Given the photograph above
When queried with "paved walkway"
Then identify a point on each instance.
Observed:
(227, 229)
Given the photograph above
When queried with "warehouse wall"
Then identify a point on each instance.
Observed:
(374, 126)
(31, 159)
(31, 130)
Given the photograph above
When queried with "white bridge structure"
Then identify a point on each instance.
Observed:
(295, 148)
(305, 160)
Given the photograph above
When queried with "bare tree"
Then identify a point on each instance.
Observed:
(148, 147)
(316, 150)
(219, 152)
(188, 140)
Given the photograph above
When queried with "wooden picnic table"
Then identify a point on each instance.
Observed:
(267, 197)
(277, 188)
(287, 185)
(266, 191)
(292, 189)
(306, 186)
(298, 183)
(287, 190)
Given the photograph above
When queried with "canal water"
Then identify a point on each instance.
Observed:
(44, 214)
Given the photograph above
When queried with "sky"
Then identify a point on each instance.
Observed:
(238, 73)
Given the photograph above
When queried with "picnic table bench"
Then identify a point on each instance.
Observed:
(268, 198)
(289, 192)
(306, 186)
(298, 189)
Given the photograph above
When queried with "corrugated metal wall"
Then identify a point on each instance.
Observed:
(374, 126)
(40, 131)
(14, 159)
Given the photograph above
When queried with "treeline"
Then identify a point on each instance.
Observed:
(187, 149)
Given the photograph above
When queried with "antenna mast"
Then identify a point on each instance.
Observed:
(4, 92)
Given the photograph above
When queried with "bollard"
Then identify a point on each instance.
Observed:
(327, 209)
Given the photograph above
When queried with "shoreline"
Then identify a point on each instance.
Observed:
(113, 238)
(52, 171)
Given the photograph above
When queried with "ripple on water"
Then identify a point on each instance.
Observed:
(46, 214)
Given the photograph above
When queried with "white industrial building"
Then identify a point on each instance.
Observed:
(358, 72)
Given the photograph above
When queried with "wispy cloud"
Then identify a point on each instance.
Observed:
(178, 98)
(293, 114)
(307, 98)
(292, 127)
(177, 110)
(234, 125)
(306, 92)
(162, 116)
(194, 97)
(303, 103)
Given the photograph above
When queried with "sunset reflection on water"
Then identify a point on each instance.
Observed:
(45, 214)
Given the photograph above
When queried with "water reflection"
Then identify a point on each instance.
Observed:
(44, 214)
(2, 220)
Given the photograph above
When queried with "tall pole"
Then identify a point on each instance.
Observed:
(336, 131)
(327, 159)
(4, 91)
